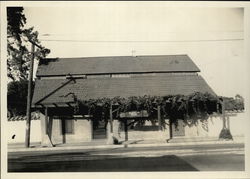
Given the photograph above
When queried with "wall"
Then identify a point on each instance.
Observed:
(17, 128)
(215, 124)
(82, 131)
(213, 129)
(148, 132)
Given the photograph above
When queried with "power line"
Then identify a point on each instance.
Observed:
(170, 32)
(139, 41)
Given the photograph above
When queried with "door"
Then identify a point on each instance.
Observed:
(178, 130)
(99, 129)
(67, 125)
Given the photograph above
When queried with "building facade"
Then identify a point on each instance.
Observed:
(60, 81)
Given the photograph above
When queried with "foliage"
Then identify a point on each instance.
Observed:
(173, 106)
(18, 42)
(17, 97)
(16, 20)
(232, 104)
(190, 108)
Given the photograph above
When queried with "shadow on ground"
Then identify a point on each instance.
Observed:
(106, 164)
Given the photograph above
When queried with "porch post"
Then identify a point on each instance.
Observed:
(110, 134)
(48, 126)
(126, 129)
(171, 128)
(46, 120)
(228, 123)
(111, 118)
(223, 114)
(225, 132)
(159, 116)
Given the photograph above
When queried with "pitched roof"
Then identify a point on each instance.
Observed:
(49, 91)
(116, 64)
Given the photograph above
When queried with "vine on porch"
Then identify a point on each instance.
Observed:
(190, 108)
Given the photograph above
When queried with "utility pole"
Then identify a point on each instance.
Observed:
(28, 114)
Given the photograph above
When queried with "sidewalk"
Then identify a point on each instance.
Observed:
(100, 144)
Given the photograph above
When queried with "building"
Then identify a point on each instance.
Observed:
(60, 80)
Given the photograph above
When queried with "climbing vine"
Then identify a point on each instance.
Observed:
(190, 108)
(186, 107)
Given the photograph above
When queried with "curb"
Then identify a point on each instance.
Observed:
(67, 148)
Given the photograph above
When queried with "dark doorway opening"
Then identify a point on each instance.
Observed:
(67, 127)
(178, 130)
(99, 129)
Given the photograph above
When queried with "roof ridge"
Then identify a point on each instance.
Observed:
(116, 56)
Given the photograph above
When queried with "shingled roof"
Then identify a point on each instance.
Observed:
(161, 77)
(49, 91)
(117, 64)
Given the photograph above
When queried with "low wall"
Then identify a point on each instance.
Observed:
(210, 129)
(238, 125)
(146, 132)
(83, 130)
(17, 128)
(215, 124)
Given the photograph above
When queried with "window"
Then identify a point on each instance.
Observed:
(67, 126)
(98, 76)
(121, 75)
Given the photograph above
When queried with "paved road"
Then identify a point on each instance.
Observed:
(219, 157)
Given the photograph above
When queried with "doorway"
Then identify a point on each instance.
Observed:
(178, 130)
(99, 129)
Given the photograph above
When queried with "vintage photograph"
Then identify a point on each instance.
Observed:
(125, 87)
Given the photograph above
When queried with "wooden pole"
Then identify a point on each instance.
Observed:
(46, 120)
(50, 128)
(28, 112)
(223, 114)
(170, 129)
(228, 123)
(110, 134)
(63, 131)
(111, 118)
(159, 116)
(126, 129)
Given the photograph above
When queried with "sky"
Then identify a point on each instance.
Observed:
(212, 37)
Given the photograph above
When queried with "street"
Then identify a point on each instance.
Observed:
(216, 157)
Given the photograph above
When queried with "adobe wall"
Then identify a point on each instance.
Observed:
(82, 131)
(18, 128)
(215, 124)
(147, 132)
(212, 129)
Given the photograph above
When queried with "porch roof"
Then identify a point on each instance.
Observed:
(61, 91)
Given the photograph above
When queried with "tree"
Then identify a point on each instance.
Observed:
(17, 97)
(18, 40)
